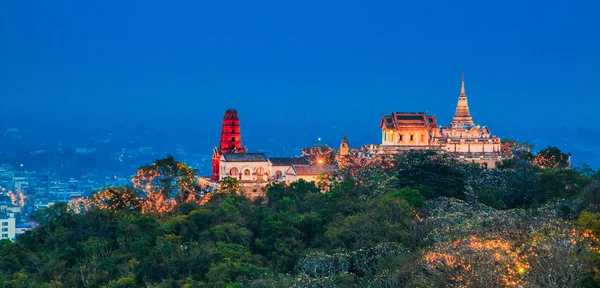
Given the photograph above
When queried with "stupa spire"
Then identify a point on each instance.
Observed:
(462, 117)
(344, 147)
(462, 87)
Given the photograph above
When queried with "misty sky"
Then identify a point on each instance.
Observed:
(292, 67)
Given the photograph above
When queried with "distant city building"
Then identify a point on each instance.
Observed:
(7, 227)
(20, 184)
(405, 131)
(10, 210)
(22, 228)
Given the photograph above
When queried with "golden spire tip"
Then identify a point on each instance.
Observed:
(462, 87)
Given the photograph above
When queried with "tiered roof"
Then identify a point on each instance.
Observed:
(403, 119)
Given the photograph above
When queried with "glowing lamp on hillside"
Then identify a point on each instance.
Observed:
(320, 161)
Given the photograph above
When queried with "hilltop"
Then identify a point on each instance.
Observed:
(419, 220)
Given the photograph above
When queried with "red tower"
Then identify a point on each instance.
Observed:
(231, 141)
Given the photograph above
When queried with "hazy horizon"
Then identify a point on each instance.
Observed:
(297, 71)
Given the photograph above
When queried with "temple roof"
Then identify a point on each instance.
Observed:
(245, 157)
(432, 121)
(312, 169)
(288, 161)
(462, 117)
(396, 119)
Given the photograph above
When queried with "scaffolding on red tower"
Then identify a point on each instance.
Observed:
(231, 141)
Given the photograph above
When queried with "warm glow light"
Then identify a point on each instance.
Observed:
(453, 256)
(320, 161)
(391, 132)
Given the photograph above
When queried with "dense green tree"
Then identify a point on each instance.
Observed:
(434, 175)
(386, 218)
(229, 185)
(355, 233)
(560, 184)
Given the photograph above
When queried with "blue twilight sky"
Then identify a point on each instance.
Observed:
(297, 69)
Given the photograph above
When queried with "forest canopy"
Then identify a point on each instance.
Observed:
(418, 220)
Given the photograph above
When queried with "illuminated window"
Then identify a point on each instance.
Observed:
(260, 173)
(422, 138)
(234, 171)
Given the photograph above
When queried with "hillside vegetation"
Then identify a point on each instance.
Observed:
(420, 220)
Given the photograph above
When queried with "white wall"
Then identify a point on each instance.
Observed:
(462, 147)
(242, 167)
(7, 228)
(420, 136)
(307, 178)
(290, 176)
(19, 231)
